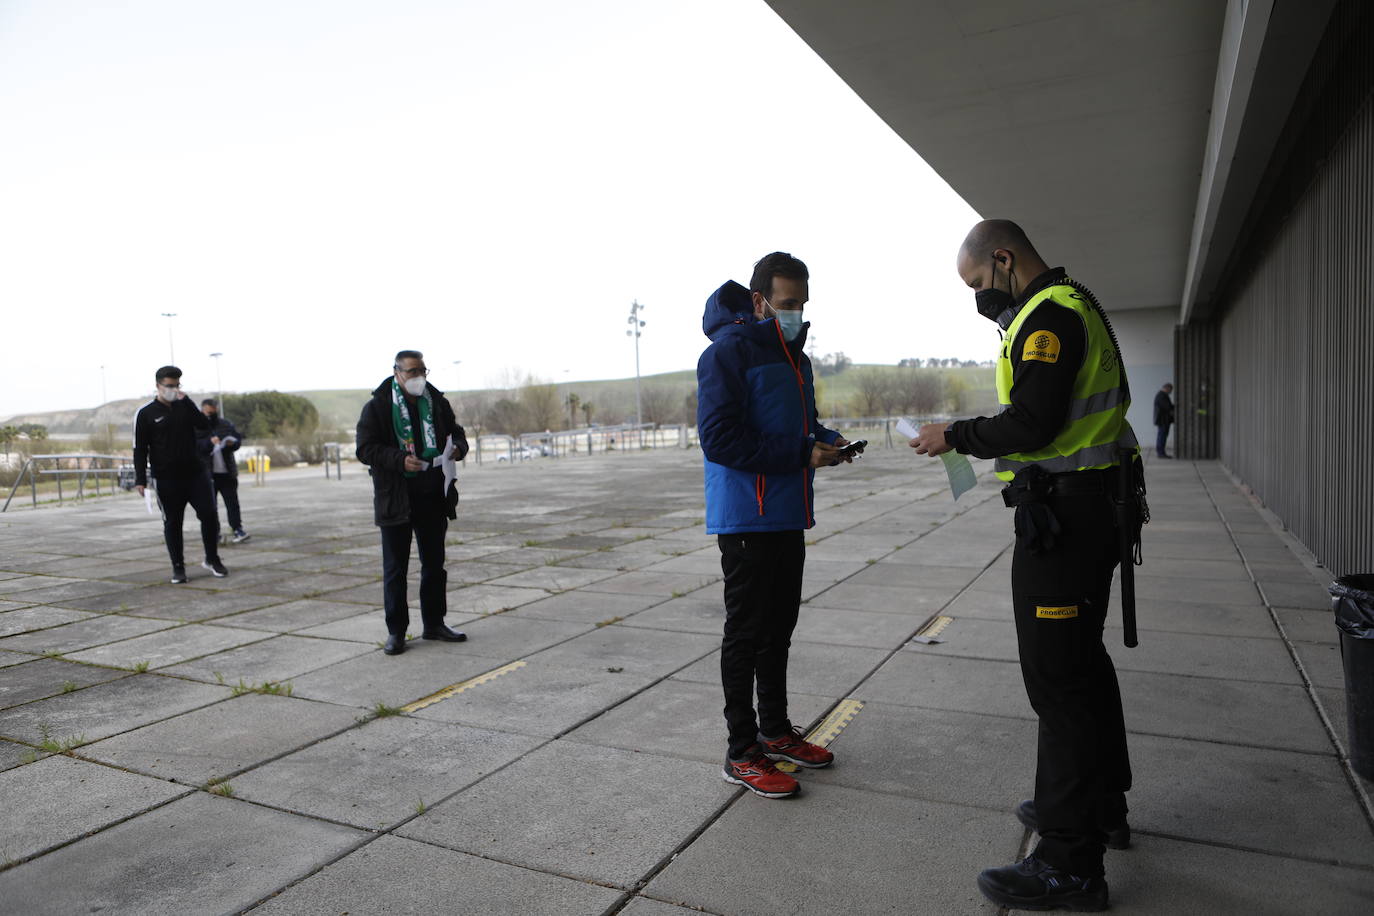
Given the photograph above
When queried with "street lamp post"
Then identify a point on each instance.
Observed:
(219, 387)
(636, 323)
(171, 348)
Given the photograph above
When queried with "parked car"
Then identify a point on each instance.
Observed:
(522, 453)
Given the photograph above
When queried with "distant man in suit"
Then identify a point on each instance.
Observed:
(1164, 418)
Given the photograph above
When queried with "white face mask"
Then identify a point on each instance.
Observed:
(790, 320)
(167, 394)
(414, 386)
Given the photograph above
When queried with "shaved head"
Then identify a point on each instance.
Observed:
(993, 234)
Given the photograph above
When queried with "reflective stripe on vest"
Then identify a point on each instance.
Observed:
(1095, 427)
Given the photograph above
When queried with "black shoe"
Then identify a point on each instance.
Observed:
(395, 644)
(1033, 885)
(1118, 836)
(178, 575)
(442, 632)
(216, 567)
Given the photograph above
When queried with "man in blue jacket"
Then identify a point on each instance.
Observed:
(757, 420)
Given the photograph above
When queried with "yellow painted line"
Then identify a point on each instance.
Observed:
(455, 689)
(829, 729)
(936, 626)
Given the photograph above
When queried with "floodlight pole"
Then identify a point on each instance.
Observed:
(171, 348)
(219, 386)
(635, 324)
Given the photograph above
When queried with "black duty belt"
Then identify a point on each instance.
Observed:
(1099, 480)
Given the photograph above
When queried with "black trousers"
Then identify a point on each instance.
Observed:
(227, 487)
(763, 579)
(1060, 601)
(428, 530)
(173, 493)
(1161, 437)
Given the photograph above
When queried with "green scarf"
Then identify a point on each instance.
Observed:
(400, 418)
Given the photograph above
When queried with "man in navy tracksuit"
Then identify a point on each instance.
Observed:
(756, 416)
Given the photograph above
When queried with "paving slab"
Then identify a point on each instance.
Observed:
(903, 574)
(13, 754)
(1303, 625)
(633, 810)
(1238, 657)
(223, 739)
(80, 588)
(426, 667)
(1322, 662)
(175, 602)
(826, 671)
(910, 678)
(928, 854)
(553, 579)
(911, 603)
(406, 874)
(73, 637)
(58, 799)
(643, 906)
(14, 658)
(167, 647)
(106, 709)
(507, 636)
(293, 615)
(368, 627)
(277, 658)
(1162, 875)
(632, 649)
(662, 584)
(199, 854)
(489, 599)
(589, 607)
(37, 618)
(692, 614)
(382, 772)
(973, 637)
(1220, 793)
(45, 677)
(681, 719)
(540, 698)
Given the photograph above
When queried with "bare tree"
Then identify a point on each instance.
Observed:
(922, 391)
(661, 404)
(540, 404)
(870, 392)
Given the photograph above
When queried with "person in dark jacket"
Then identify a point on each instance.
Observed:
(217, 446)
(762, 441)
(401, 436)
(1164, 418)
(165, 437)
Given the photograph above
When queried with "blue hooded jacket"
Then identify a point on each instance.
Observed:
(756, 418)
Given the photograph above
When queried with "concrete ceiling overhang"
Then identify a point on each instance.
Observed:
(1083, 120)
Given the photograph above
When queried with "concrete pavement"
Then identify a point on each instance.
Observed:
(243, 745)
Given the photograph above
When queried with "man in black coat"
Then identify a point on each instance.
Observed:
(165, 438)
(217, 446)
(401, 436)
(1164, 418)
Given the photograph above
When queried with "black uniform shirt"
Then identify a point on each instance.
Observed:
(165, 437)
(1045, 357)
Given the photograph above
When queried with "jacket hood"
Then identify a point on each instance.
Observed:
(730, 310)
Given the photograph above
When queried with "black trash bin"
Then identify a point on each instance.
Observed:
(1352, 598)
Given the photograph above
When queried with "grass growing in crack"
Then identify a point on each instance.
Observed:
(605, 548)
(58, 745)
(140, 667)
(870, 562)
(312, 594)
(29, 756)
(51, 653)
(420, 806)
(222, 788)
(679, 593)
(529, 543)
(606, 623)
(381, 710)
(267, 688)
(68, 686)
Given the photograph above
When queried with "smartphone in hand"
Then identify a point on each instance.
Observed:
(854, 448)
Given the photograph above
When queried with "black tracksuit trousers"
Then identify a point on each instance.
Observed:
(174, 493)
(763, 580)
(1060, 599)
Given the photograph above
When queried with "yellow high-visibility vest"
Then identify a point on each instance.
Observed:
(1096, 428)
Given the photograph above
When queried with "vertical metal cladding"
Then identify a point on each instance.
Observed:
(1195, 390)
(1296, 336)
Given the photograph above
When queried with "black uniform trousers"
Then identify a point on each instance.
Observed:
(173, 494)
(428, 524)
(763, 580)
(227, 487)
(1060, 599)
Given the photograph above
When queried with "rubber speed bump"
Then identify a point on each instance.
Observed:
(931, 631)
(829, 729)
(454, 689)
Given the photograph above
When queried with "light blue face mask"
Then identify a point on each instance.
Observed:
(790, 320)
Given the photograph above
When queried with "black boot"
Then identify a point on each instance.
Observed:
(395, 644)
(439, 631)
(1033, 885)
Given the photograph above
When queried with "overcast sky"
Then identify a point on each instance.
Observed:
(311, 186)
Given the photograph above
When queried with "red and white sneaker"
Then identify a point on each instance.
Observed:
(758, 775)
(793, 748)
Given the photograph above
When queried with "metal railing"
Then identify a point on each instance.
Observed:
(333, 454)
(117, 469)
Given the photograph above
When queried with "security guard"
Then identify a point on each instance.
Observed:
(1058, 441)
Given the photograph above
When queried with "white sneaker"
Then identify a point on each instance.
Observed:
(240, 536)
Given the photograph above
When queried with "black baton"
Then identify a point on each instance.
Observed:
(1125, 526)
